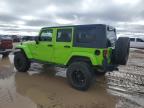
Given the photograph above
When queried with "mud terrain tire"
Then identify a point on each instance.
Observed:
(80, 75)
(21, 62)
(122, 50)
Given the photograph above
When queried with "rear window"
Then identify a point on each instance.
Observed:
(111, 35)
(86, 35)
(111, 38)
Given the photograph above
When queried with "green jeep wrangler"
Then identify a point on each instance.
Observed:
(84, 50)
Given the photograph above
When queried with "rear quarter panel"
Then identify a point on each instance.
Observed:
(90, 53)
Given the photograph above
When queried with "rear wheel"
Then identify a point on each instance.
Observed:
(22, 64)
(80, 75)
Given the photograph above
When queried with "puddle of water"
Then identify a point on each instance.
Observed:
(9, 98)
(42, 89)
(49, 91)
(46, 87)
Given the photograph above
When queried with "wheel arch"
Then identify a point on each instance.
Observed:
(79, 58)
(24, 50)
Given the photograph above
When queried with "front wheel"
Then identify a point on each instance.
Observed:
(22, 64)
(80, 75)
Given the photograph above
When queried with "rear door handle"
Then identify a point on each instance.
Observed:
(50, 45)
(67, 46)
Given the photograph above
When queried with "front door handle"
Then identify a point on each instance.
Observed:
(50, 45)
(67, 46)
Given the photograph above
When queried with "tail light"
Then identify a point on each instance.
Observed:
(105, 52)
(7, 44)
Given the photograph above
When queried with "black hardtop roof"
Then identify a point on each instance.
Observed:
(86, 25)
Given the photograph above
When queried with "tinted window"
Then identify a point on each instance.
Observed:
(111, 38)
(86, 35)
(139, 40)
(111, 35)
(95, 36)
(132, 39)
(46, 35)
(64, 35)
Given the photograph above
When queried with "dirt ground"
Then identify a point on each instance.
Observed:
(46, 87)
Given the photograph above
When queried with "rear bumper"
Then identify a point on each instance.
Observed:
(5, 51)
(109, 67)
(106, 67)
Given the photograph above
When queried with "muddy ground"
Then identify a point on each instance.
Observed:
(46, 87)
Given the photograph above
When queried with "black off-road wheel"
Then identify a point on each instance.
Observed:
(22, 64)
(80, 75)
(121, 52)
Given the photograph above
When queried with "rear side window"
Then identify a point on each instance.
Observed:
(46, 35)
(132, 39)
(64, 35)
(86, 35)
(139, 40)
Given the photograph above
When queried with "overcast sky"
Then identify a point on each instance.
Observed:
(28, 16)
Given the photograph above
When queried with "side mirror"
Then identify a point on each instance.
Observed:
(37, 40)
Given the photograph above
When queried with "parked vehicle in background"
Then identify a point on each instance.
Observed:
(28, 38)
(15, 38)
(6, 45)
(137, 43)
(85, 50)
